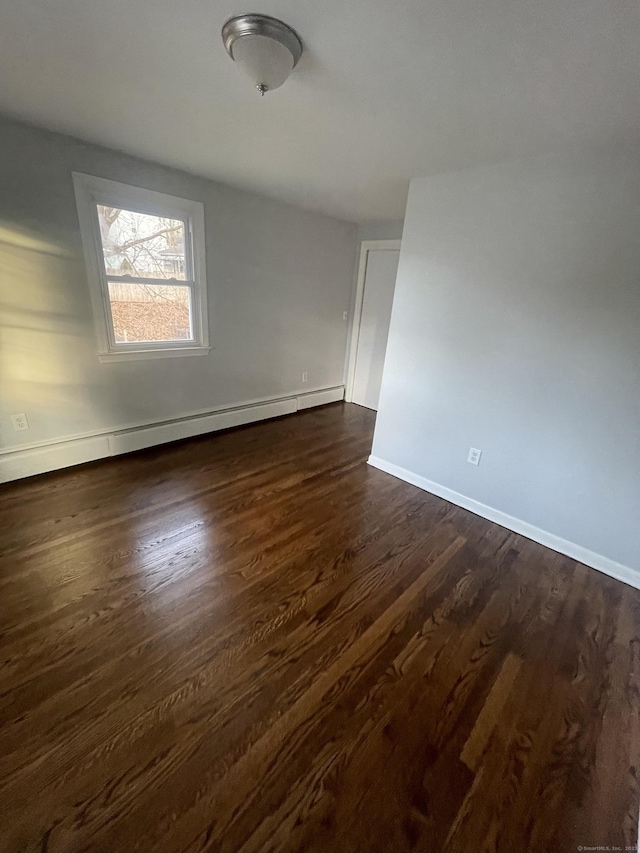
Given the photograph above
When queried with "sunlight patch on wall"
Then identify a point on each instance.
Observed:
(42, 338)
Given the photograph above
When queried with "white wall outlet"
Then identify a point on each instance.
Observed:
(20, 422)
(305, 376)
(345, 315)
(474, 456)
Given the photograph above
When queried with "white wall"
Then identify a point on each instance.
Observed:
(516, 330)
(279, 280)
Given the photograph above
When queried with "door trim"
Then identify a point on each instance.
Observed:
(365, 247)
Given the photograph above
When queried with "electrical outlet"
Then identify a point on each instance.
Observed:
(20, 422)
(305, 376)
(345, 315)
(474, 456)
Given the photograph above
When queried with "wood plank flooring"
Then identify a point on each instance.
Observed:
(253, 641)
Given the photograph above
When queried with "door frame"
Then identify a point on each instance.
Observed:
(365, 247)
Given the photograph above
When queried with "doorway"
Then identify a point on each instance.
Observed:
(372, 315)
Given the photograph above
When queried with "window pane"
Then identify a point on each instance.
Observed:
(139, 244)
(150, 312)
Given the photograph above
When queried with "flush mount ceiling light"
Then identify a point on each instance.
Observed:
(266, 49)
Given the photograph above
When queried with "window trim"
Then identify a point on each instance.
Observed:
(91, 191)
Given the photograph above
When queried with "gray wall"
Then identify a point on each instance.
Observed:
(386, 229)
(516, 330)
(279, 279)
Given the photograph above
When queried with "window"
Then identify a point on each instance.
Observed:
(145, 260)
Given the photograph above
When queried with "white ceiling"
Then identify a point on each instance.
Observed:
(386, 89)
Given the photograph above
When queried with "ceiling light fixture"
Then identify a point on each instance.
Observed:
(265, 48)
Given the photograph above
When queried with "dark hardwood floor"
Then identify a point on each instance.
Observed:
(253, 641)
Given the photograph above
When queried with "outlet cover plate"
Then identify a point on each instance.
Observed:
(20, 422)
(474, 456)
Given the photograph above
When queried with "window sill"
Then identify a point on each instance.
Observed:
(140, 354)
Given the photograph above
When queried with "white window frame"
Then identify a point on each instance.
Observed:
(91, 191)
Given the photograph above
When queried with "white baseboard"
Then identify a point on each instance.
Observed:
(583, 555)
(138, 439)
(25, 462)
(320, 398)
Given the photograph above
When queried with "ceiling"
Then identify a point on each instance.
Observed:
(386, 89)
